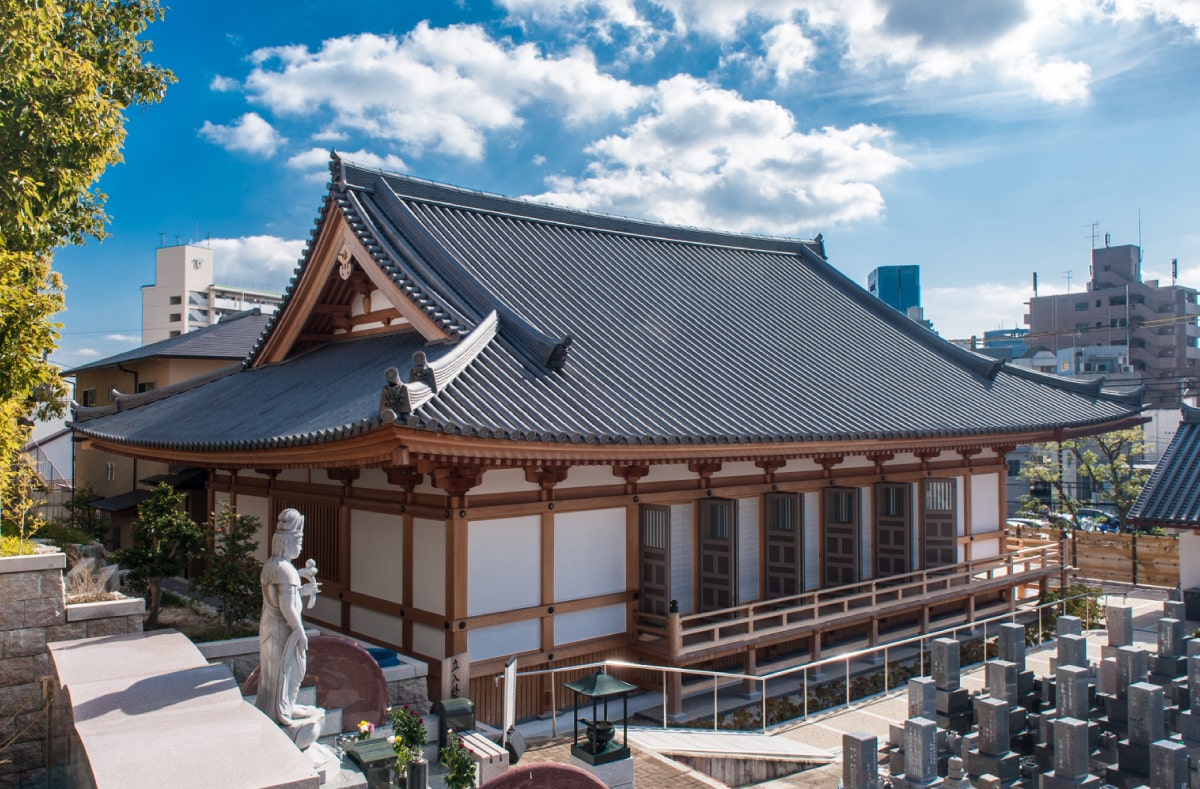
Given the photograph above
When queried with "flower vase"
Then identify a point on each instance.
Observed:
(418, 774)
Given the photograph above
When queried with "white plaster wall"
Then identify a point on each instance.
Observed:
(373, 624)
(812, 540)
(1189, 559)
(582, 625)
(915, 503)
(377, 554)
(682, 557)
(742, 469)
(375, 479)
(326, 609)
(429, 641)
(672, 472)
(749, 536)
(505, 480)
(504, 560)
(985, 503)
(855, 461)
(802, 464)
(960, 513)
(986, 549)
(294, 474)
(867, 557)
(590, 477)
(257, 507)
(589, 553)
(429, 566)
(504, 640)
(221, 498)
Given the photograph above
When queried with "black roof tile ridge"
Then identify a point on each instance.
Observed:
(1094, 389)
(418, 282)
(477, 200)
(1182, 437)
(124, 402)
(983, 366)
(542, 349)
(1191, 414)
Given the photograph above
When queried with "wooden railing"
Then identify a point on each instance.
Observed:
(694, 635)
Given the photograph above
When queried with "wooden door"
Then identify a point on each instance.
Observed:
(654, 557)
(940, 543)
(783, 545)
(718, 555)
(842, 543)
(893, 529)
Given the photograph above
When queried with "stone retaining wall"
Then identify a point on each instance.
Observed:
(33, 612)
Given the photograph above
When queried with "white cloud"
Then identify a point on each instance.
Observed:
(316, 162)
(959, 313)
(250, 134)
(706, 156)
(88, 352)
(123, 338)
(443, 89)
(224, 84)
(538, 160)
(1040, 51)
(255, 260)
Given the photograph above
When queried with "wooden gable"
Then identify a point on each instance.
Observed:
(342, 294)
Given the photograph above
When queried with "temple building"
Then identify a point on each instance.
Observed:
(517, 429)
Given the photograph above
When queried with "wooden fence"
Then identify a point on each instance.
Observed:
(1109, 557)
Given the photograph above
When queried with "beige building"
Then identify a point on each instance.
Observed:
(185, 297)
(1123, 329)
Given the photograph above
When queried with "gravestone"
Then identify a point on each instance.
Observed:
(990, 753)
(1168, 765)
(1175, 609)
(1010, 646)
(920, 754)
(1068, 626)
(1120, 628)
(860, 761)
(1072, 650)
(953, 702)
(1145, 727)
(1189, 721)
(922, 703)
(1171, 660)
(1070, 757)
(1001, 676)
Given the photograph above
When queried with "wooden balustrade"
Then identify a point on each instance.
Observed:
(698, 635)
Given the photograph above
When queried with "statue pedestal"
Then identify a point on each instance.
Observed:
(305, 727)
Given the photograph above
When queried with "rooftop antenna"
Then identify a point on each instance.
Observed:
(162, 239)
(1068, 275)
(1139, 234)
(1093, 226)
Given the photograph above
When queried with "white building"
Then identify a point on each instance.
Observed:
(185, 297)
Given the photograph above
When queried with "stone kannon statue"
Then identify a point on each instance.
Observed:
(283, 643)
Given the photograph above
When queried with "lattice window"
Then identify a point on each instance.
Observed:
(321, 541)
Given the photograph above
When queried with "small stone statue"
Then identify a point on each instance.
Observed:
(283, 643)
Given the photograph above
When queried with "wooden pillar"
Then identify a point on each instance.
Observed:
(456, 481)
(346, 476)
(750, 666)
(407, 478)
(674, 695)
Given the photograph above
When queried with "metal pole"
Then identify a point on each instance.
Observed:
(553, 703)
(887, 683)
(847, 683)
(806, 692)
(664, 698)
(714, 702)
(764, 706)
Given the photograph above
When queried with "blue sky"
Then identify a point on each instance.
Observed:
(979, 139)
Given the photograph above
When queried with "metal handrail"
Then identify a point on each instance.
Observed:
(726, 676)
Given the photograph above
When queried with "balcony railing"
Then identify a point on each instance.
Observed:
(698, 636)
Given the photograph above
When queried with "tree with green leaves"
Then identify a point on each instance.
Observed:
(164, 540)
(69, 69)
(1106, 459)
(232, 572)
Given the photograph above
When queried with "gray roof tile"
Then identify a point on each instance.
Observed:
(231, 338)
(1171, 496)
(680, 336)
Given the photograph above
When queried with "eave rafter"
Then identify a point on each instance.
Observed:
(398, 445)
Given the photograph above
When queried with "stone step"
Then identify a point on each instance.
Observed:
(308, 696)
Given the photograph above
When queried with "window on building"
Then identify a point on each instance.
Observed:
(1081, 326)
(1116, 301)
(175, 334)
(110, 472)
(176, 300)
(174, 317)
(1081, 306)
(87, 398)
(1097, 302)
(146, 386)
(1119, 323)
(1014, 468)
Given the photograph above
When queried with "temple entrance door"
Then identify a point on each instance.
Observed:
(783, 532)
(718, 554)
(940, 543)
(654, 557)
(842, 544)
(893, 529)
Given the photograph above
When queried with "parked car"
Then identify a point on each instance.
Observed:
(1100, 520)
(1027, 523)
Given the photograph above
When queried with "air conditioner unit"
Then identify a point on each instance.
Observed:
(1127, 368)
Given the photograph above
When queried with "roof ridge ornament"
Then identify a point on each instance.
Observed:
(425, 378)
